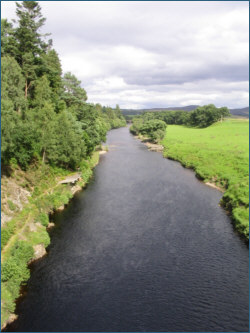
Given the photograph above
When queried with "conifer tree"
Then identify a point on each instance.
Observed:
(31, 43)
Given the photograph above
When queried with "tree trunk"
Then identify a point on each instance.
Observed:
(44, 154)
(26, 89)
(27, 86)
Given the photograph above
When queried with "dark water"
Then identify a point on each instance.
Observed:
(144, 248)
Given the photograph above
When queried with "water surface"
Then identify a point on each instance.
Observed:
(145, 247)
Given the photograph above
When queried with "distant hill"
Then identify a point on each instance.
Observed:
(243, 112)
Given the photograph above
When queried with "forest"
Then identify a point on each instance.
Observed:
(45, 114)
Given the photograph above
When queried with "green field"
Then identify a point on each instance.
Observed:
(219, 154)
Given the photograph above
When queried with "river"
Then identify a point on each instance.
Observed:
(146, 247)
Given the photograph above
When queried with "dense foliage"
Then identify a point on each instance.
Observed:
(153, 129)
(44, 114)
(201, 117)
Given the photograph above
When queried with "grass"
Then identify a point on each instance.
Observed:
(28, 228)
(12, 206)
(219, 154)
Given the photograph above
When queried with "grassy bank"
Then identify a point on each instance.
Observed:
(219, 154)
(25, 237)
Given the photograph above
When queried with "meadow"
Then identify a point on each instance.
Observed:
(219, 154)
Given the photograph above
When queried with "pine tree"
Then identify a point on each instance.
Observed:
(74, 95)
(31, 43)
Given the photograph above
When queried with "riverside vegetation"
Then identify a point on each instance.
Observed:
(48, 132)
(218, 153)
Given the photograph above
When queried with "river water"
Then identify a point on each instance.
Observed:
(145, 247)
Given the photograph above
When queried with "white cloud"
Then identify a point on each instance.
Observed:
(150, 53)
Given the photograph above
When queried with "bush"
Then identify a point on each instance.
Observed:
(43, 219)
(9, 269)
(22, 251)
(154, 129)
(11, 205)
(7, 232)
(15, 267)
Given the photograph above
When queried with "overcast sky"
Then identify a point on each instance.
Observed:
(143, 54)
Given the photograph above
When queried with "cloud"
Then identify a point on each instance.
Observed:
(150, 53)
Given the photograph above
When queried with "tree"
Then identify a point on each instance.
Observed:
(29, 71)
(25, 142)
(74, 95)
(224, 112)
(154, 129)
(66, 148)
(9, 120)
(118, 112)
(12, 104)
(31, 44)
(42, 113)
(205, 116)
(30, 20)
(42, 93)
(8, 41)
(12, 83)
(51, 67)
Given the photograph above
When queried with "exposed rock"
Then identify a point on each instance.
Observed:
(214, 186)
(154, 147)
(4, 218)
(33, 226)
(12, 193)
(39, 252)
(151, 146)
(50, 225)
(12, 318)
(75, 189)
(71, 179)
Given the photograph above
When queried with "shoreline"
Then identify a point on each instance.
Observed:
(40, 249)
(154, 147)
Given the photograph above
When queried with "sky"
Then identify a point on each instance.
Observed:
(143, 54)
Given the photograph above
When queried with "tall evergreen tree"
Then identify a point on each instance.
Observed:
(31, 43)
(74, 95)
(30, 20)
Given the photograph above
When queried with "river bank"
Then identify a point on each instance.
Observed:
(145, 248)
(27, 200)
(219, 157)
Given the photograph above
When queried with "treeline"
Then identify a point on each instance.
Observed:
(201, 117)
(44, 113)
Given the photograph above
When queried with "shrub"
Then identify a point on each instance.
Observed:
(154, 129)
(43, 219)
(11, 205)
(7, 232)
